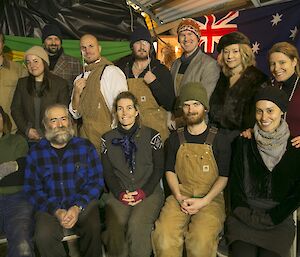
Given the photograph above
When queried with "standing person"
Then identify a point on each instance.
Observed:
(133, 166)
(10, 72)
(61, 64)
(231, 104)
(35, 93)
(264, 183)
(150, 81)
(63, 181)
(285, 68)
(197, 167)
(15, 212)
(193, 65)
(95, 90)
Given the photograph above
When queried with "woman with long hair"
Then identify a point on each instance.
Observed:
(133, 164)
(264, 183)
(35, 92)
(285, 68)
(231, 104)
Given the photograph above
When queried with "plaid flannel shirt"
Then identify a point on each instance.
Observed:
(52, 183)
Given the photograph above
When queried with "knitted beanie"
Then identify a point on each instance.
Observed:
(51, 30)
(273, 94)
(38, 51)
(190, 25)
(193, 91)
(140, 33)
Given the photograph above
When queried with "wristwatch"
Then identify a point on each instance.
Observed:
(80, 208)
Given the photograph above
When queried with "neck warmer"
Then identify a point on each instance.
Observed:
(127, 144)
(54, 58)
(272, 145)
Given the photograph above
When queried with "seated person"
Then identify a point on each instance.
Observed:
(16, 212)
(264, 183)
(63, 180)
(132, 158)
(197, 166)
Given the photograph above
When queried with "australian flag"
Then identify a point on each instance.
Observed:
(264, 26)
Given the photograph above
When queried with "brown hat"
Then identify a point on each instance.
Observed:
(232, 38)
(38, 51)
(193, 91)
(190, 25)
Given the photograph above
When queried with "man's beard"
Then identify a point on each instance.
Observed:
(193, 118)
(59, 136)
(53, 49)
(139, 57)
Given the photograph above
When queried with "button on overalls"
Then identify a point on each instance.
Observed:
(197, 172)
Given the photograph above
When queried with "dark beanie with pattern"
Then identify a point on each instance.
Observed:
(51, 30)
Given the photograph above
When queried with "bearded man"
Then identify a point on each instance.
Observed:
(197, 167)
(150, 82)
(63, 180)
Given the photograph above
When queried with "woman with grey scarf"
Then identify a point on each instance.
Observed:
(264, 183)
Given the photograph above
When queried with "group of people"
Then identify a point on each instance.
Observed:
(202, 125)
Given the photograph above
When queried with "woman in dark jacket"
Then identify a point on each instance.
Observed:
(285, 68)
(231, 104)
(264, 183)
(35, 93)
(133, 165)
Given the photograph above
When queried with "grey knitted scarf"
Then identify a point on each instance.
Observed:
(272, 145)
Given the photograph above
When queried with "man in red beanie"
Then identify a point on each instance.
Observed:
(193, 65)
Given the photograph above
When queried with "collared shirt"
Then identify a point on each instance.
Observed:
(53, 183)
(112, 82)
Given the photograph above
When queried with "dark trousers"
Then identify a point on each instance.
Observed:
(128, 229)
(16, 221)
(49, 233)
(243, 249)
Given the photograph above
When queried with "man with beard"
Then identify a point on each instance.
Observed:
(95, 91)
(197, 167)
(63, 180)
(194, 65)
(150, 81)
(61, 64)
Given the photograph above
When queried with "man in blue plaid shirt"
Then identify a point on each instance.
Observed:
(63, 180)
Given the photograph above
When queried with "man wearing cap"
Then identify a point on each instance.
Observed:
(150, 81)
(193, 65)
(10, 72)
(61, 64)
(197, 166)
(95, 91)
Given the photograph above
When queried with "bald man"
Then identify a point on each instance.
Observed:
(95, 90)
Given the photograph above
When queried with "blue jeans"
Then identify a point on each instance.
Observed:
(16, 222)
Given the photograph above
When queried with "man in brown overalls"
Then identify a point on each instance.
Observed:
(150, 82)
(197, 166)
(95, 90)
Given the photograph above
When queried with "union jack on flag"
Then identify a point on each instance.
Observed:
(264, 26)
(212, 30)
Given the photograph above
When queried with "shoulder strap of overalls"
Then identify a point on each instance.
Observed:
(211, 135)
(181, 137)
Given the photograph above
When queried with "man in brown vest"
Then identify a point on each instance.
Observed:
(150, 82)
(197, 167)
(95, 90)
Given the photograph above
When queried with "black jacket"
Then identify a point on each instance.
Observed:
(233, 108)
(250, 179)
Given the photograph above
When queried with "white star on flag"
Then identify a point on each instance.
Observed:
(276, 19)
(293, 33)
(255, 47)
